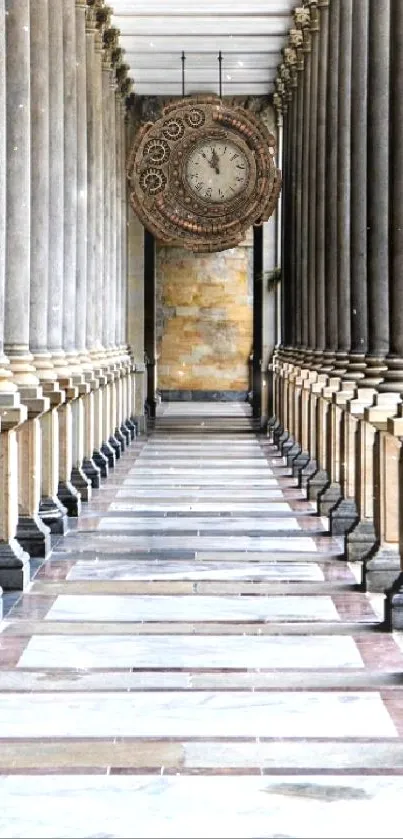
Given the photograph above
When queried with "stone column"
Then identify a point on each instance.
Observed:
(320, 245)
(363, 537)
(312, 185)
(306, 465)
(344, 516)
(320, 481)
(51, 511)
(331, 501)
(78, 477)
(94, 121)
(358, 216)
(344, 184)
(89, 467)
(111, 438)
(331, 239)
(378, 191)
(14, 562)
(66, 493)
(31, 532)
(304, 19)
(394, 610)
(298, 192)
(393, 377)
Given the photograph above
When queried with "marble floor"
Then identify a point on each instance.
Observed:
(195, 658)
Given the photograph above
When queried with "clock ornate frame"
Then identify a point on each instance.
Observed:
(159, 191)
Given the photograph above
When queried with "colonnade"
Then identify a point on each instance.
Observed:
(338, 374)
(71, 395)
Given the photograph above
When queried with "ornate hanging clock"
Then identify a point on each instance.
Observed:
(202, 174)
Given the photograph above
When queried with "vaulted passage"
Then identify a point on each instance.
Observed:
(201, 418)
(197, 659)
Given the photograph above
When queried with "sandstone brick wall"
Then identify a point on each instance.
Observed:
(204, 319)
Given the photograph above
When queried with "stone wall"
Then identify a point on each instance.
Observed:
(204, 322)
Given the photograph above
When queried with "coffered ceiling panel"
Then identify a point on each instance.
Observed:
(249, 35)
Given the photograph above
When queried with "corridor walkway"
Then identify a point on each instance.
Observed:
(195, 660)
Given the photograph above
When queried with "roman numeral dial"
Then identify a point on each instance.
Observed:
(217, 170)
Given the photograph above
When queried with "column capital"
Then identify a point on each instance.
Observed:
(302, 17)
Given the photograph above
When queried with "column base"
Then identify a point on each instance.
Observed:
(100, 459)
(317, 483)
(394, 605)
(15, 571)
(293, 453)
(120, 438)
(281, 437)
(131, 426)
(92, 472)
(81, 483)
(360, 541)
(288, 444)
(299, 463)
(116, 445)
(70, 498)
(126, 433)
(53, 514)
(328, 498)
(109, 452)
(343, 516)
(307, 473)
(33, 535)
(381, 569)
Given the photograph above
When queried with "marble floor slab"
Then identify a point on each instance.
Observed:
(117, 543)
(213, 506)
(209, 570)
(201, 714)
(150, 807)
(164, 479)
(223, 525)
(191, 651)
(212, 493)
(177, 472)
(190, 608)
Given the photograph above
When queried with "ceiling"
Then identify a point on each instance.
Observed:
(249, 33)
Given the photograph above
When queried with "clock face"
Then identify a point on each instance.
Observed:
(217, 170)
(203, 173)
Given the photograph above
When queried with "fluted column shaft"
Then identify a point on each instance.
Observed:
(298, 201)
(118, 218)
(113, 241)
(344, 183)
(306, 314)
(40, 175)
(312, 180)
(18, 192)
(378, 190)
(56, 184)
(394, 375)
(70, 177)
(331, 215)
(82, 178)
(320, 243)
(92, 118)
(99, 193)
(106, 210)
(358, 221)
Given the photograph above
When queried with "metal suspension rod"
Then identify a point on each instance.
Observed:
(220, 72)
(183, 73)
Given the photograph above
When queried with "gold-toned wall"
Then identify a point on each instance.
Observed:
(204, 319)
